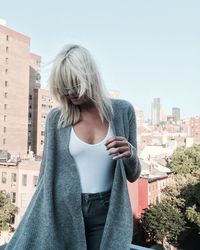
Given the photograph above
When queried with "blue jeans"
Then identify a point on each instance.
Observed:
(95, 208)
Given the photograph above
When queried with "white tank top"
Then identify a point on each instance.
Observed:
(94, 165)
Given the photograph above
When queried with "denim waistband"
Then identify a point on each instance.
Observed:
(94, 196)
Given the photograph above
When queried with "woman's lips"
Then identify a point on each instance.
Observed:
(74, 98)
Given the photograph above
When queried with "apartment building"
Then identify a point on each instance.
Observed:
(43, 103)
(19, 181)
(18, 75)
(194, 128)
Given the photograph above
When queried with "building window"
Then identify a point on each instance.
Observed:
(38, 63)
(42, 142)
(4, 129)
(3, 177)
(42, 133)
(6, 83)
(5, 94)
(23, 200)
(29, 115)
(38, 77)
(7, 38)
(6, 49)
(6, 71)
(6, 60)
(43, 116)
(13, 178)
(4, 118)
(35, 180)
(4, 141)
(13, 197)
(30, 97)
(46, 98)
(12, 218)
(5, 106)
(24, 180)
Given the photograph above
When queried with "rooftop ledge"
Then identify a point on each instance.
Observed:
(132, 247)
(136, 247)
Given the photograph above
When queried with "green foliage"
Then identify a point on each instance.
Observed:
(191, 195)
(193, 215)
(179, 209)
(163, 222)
(186, 160)
(7, 209)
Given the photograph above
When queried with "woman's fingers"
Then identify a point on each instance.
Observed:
(126, 154)
(118, 150)
(118, 145)
(113, 139)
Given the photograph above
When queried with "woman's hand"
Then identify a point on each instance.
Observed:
(120, 146)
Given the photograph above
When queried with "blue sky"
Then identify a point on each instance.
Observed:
(144, 48)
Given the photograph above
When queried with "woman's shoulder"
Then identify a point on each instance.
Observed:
(53, 113)
(121, 104)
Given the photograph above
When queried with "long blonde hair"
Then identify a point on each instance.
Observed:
(74, 64)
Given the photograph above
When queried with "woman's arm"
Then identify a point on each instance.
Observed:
(132, 164)
(126, 148)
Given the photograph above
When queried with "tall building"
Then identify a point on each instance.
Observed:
(23, 104)
(163, 117)
(14, 90)
(34, 83)
(155, 111)
(176, 113)
(43, 103)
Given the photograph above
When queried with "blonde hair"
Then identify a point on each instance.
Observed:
(74, 65)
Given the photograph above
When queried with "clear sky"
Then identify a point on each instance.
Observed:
(144, 48)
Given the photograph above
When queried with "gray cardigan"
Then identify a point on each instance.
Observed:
(53, 219)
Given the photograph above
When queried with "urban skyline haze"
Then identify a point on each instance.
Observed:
(144, 49)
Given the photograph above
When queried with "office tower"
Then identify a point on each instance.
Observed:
(176, 113)
(155, 111)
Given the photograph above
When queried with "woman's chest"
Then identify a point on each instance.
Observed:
(91, 132)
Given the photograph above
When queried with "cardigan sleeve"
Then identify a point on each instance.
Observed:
(44, 153)
(132, 164)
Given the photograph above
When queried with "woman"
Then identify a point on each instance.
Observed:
(90, 152)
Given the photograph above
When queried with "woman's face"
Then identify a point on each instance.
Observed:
(72, 95)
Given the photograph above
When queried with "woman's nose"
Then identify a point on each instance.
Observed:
(71, 92)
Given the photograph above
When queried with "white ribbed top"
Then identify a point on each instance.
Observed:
(94, 165)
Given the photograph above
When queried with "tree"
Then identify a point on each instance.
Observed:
(7, 210)
(177, 216)
(162, 222)
(186, 161)
(191, 195)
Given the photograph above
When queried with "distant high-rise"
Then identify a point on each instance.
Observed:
(176, 113)
(155, 111)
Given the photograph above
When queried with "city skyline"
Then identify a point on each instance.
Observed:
(143, 49)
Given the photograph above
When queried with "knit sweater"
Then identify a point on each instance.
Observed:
(53, 219)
